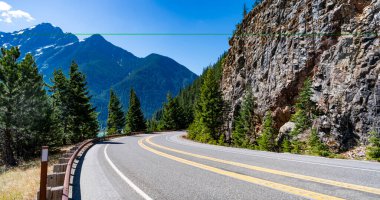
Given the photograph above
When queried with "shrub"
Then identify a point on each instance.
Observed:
(316, 146)
(373, 151)
(266, 140)
(286, 145)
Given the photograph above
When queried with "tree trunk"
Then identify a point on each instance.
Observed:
(8, 156)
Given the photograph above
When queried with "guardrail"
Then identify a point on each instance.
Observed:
(58, 183)
(66, 184)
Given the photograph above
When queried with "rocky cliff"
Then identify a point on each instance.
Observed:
(336, 43)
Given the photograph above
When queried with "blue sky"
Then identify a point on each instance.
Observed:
(138, 16)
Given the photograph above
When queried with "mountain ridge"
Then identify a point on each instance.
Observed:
(105, 65)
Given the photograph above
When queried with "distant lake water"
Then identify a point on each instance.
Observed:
(101, 134)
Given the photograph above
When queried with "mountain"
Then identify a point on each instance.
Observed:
(104, 64)
(333, 43)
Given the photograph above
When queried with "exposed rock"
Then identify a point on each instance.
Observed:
(281, 116)
(285, 130)
(343, 61)
(356, 153)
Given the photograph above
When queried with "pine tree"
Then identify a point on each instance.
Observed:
(34, 112)
(244, 129)
(296, 147)
(373, 151)
(173, 116)
(257, 2)
(84, 124)
(9, 92)
(135, 121)
(116, 119)
(316, 145)
(245, 10)
(61, 103)
(303, 101)
(25, 111)
(286, 145)
(208, 111)
(152, 126)
(304, 109)
(266, 140)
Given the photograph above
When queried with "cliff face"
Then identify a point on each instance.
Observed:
(334, 42)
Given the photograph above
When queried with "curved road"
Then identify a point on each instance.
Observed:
(166, 166)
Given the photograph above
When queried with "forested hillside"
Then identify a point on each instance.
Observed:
(105, 65)
(178, 112)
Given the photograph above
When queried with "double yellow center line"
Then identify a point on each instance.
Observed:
(262, 182)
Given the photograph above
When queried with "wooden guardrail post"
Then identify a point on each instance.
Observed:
(44, 167)
(59, 168)
(56, 186)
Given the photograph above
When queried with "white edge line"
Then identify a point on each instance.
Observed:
(129, 182)
(169, 139)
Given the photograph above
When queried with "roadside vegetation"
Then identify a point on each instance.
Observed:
(30, 118)
(23, 181)
(127, 123)
(20, 182)
(35, 114)
(202, 108)
(373, 151)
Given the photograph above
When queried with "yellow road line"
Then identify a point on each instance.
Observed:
(277, 172)
(257, 181)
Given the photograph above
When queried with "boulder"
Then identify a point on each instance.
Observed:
(285, 130)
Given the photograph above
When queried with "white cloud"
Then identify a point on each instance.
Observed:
(7, 15)
(4, 6)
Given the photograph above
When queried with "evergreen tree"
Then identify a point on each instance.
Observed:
(34, 112)
(84, 122)
(187, 97)
(373, 151)
(116, 119)
(296, 147)
(61, 104)
(245, 10)
(257, 2)
(209, 111)
(286, 145)
(135, 121)
(304, 109)
(316, 145)
(245, 123)
(152, 125)
(173, 116)
(9, 93)
(266, 140)
(25, 111)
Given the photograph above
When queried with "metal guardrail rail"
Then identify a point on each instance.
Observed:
(66, 184)
(62, 172)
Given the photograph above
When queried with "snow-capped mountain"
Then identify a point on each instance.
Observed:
(104, 64)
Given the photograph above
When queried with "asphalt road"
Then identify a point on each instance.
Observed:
(166, 166)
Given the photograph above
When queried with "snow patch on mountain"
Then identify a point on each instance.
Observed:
(63, 46)
(45, 47)
(39, 51)
(6, 45)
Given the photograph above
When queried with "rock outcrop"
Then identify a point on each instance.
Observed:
(336, 43)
